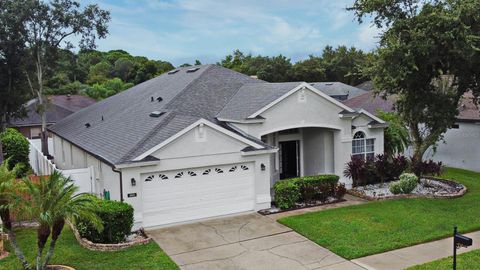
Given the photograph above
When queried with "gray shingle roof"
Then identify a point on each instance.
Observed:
(337, 89)
(127, 130)
(252, 97)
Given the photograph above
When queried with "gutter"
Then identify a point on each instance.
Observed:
(121, 182)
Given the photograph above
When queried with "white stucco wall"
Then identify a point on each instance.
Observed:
(187, 152)
(318, 151)
(461, 148)
(68, 156)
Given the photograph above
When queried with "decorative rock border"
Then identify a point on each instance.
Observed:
(108, 247)
(458, 194)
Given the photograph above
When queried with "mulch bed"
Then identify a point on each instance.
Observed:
(275, 210)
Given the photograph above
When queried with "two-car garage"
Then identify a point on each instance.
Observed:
(196, 193)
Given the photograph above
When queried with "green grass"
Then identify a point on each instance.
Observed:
(69, 252)
(375, 227)
(465, 261)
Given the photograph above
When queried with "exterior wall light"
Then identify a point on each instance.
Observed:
(262, 167)
(134, 183)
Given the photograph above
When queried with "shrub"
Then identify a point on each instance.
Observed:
(16, 149)
(340, 191)
(429, 167)
(287, 193)
(117, 219)
(381, 168)
(317, 187)
(407, 183)
(355, 169)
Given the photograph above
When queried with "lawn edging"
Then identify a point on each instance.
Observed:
(427, 196)
(107, 247)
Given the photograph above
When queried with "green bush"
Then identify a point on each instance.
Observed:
(407, 183)
(16, 149)
(117, 219)
(287, 193)
(317, 187)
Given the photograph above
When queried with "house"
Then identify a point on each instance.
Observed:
(206, 141)
(460, 147)
(59, 107)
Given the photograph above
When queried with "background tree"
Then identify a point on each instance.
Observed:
(49, 27)
(13, 90)
(429, 57)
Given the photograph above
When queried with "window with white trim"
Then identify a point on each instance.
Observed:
(363, 147)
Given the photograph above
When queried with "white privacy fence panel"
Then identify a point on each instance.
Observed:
(41, 166)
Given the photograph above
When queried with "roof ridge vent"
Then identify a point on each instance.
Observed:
(173, 71)
(191, 70)
(156, 114)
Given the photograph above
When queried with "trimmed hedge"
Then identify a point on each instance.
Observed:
(16, 149)
(307, 189)
(287, 194)
(117, 219)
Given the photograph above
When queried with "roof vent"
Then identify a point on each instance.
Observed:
(191, 70)
(329, 83)
(159, 99)
(87, 125)
(173, 71)
(152, 99)
(156, 114)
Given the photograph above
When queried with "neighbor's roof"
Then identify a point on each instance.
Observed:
(252, 97)
(59, 107)
(121, 128)
(336, 89)
(367, 86)
(468, 111)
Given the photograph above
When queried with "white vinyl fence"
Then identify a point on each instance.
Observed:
(41, 166)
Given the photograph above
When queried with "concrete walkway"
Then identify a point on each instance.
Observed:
(246, 242)
(414, 255)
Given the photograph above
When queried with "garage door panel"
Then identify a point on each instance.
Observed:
(183, 195)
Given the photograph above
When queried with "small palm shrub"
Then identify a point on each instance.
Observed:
(407, 183)
(117, 220)
(287, 193)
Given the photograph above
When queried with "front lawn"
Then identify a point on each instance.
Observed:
(69, 252)
(465, 261)
(375, 227)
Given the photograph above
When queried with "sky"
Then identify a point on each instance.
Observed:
(181, 31)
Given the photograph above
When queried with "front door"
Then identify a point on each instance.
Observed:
(289, 159)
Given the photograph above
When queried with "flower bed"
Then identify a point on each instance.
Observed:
(136, 238)
(428, 187)
(300, 205)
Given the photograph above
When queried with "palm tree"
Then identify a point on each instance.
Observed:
(52, 203)
(10, 199)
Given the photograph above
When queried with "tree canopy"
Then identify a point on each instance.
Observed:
(429, 56)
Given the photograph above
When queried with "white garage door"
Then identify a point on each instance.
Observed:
(185, 195)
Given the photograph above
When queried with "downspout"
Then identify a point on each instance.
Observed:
(121, 182)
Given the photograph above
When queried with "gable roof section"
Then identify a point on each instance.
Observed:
(128, 131)
(253, 99)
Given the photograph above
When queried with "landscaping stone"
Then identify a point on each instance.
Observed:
(428, 187)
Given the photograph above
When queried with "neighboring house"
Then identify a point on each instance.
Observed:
(460, 147)
(338, 90)
(59, 107)
(206, 141)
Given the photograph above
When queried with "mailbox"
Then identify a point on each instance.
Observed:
(462, 240)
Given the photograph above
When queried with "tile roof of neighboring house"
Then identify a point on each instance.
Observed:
(371, 103)
(252, 97)
(127, 130)
(337, 89)
(59, 107)
(367, 86)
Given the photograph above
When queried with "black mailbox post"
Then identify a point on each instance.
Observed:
(458, 242)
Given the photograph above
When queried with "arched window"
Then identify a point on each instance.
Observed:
(363, 147)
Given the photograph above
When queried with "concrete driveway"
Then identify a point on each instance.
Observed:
(244, 242)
